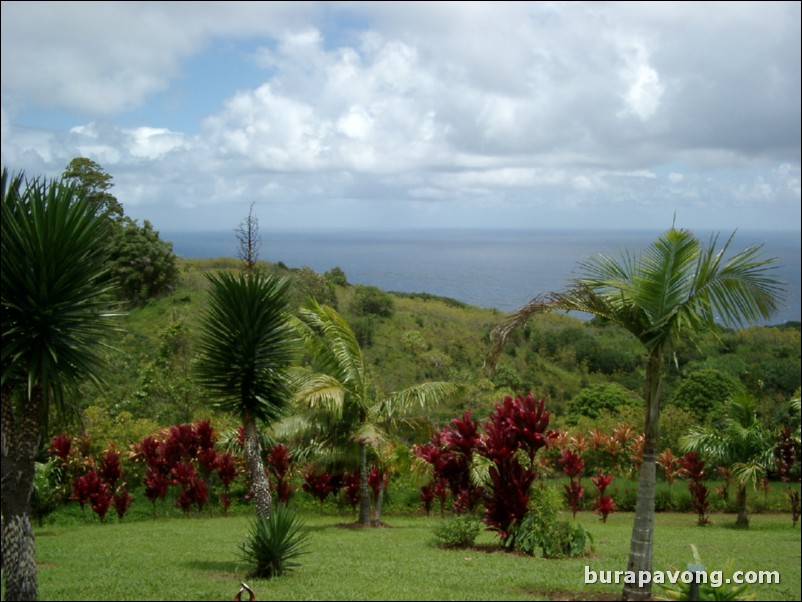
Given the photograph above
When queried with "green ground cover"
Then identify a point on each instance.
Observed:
(199, 559)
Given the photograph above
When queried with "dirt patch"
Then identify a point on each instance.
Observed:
(557, 594)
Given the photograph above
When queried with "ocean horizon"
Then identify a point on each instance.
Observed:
(501, 269)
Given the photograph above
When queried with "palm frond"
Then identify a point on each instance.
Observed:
(55, 286)
(418, 397)
(248, 344)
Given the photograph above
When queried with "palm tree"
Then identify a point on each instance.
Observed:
(675, 288)
(741, 443)
(344, 404)
(247, 346)
(54, 317)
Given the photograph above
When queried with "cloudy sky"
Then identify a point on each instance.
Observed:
(422, 114)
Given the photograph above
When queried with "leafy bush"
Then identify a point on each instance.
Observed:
(274, 544)
(372, 301)
(541, 529)
(459, 531)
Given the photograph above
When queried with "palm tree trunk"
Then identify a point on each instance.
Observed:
(20, 444)
(260, 486)
(364, 494)
(642, 542)
(743, 518)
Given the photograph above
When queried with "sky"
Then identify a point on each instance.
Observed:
(389, 115)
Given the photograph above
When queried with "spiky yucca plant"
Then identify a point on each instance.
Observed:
(274, 544)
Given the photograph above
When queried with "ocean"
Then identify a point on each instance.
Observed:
(501, 269)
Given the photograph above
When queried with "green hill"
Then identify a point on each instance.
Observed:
(410, 338)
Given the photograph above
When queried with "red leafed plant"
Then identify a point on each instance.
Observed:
(60, 446)
(693, 467)
(122, 502)
(279, 461)
(450, 452)
(110, 468)
(318, 484)
(573, 465)
(604, 504)
(350, 488)
(427, 497)
(516, 425)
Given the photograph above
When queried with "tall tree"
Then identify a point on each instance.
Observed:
(247, 346)
(740, 442)
(143, 264)
(345, 406)
(95, 183)
(54, 319)
(677, 287)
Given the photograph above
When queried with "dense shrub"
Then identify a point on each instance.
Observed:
(459, 531)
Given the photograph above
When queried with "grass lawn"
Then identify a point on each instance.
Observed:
(198, 559)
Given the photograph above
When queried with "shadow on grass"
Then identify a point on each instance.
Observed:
(224, 568)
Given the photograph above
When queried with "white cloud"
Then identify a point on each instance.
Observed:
(502, 104)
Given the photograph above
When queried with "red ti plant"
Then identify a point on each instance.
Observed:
(427, 497)
(60, 446)
(110, 467)
(122, 502)
(604, 503)
(193, 489)
(350, 488)
(693, 467)
(786, 453)
(90, 489)
(318, 484)
(227, 472)
(101, 500)
(279, 462)
(573, 465)
(450, 452)
(156, 486)
(515, 425)
(441, 493)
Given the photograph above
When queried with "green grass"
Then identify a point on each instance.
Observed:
(198, 559)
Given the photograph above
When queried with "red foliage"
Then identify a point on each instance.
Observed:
(427, 497)
(604, 506)
(574, 492)
(350, 488)
(449, 452)
(318, 484)
(226, 469)
(122, 502)
(602, 481)
(693, 467)
(60, 446)
(279, 460)
(571, 463)
(516, 424)
(110, 467)
(156, 485)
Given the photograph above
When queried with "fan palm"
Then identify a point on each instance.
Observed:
(54, 310)
(676, 287)
(741, 443)
(247, 347)
(343, 403)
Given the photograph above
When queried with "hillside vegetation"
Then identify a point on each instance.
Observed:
(587, 370)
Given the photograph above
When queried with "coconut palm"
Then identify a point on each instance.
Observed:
(344, 408)
(247, 346)
(675, 288)
(54, 319)
(740, 443)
